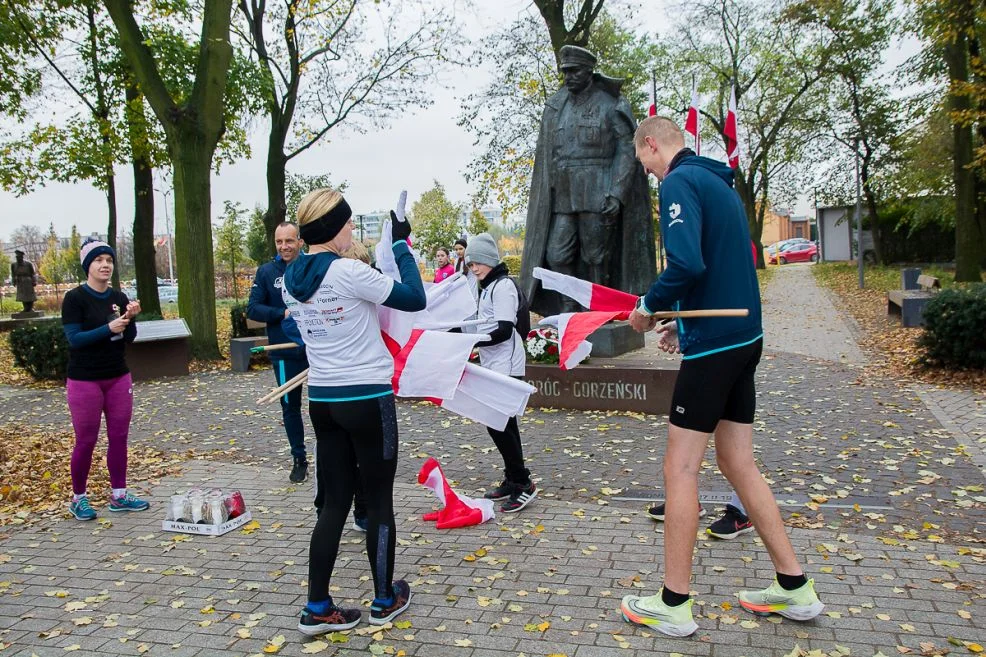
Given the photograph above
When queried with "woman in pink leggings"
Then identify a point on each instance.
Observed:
(98, 322)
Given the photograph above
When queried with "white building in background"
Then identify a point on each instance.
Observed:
(492, 214)
(368, 224)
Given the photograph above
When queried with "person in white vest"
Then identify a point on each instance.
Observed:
(499, 303)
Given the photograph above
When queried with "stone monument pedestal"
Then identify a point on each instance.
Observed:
(34, 314)
(602, 384)
(615, 339)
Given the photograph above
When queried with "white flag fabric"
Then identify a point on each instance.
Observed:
(488, 397)
(431, 364)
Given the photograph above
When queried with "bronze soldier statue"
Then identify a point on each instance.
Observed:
(24, 278)
(589, 212)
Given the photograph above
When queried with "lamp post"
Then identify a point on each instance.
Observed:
(167, 223)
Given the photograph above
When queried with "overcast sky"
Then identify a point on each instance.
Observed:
(410, 153)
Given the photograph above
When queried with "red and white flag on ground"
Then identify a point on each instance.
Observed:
(574, 328)
(729, 130)
(590, 295)
(693, 123)
(457, 510)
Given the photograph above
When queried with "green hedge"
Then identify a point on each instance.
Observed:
(513, 264)
(41, 349)
(955, 328)
(238, 325)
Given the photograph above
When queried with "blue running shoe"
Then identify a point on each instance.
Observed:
(81, 509)
(127, 503)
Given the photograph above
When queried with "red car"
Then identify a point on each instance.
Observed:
(803, 252)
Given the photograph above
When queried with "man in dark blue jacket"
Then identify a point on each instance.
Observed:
(707, 240)
(267, 306)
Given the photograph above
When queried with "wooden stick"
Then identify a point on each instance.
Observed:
(272, 347)
(289, 388)
(278, 391)
(722, 312)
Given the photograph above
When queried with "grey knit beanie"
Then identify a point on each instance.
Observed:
(482, 250)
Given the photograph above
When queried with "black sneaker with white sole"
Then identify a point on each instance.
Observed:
(732, 524)
(335, 619)
(656, 512)
(523, 496)
(501, 492)
(380, 615)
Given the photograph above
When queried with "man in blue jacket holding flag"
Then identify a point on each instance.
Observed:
(707, 241)
(266, 305)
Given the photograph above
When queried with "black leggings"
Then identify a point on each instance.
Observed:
(356, 439)
(510, 448)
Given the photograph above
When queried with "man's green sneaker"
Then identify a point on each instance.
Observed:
(652, 612)
(800, 604)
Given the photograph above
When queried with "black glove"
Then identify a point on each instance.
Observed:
(399, 230)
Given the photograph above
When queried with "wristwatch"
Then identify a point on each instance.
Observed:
(641, 308)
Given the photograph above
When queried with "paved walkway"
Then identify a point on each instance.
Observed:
(799, 317)
(885, 501)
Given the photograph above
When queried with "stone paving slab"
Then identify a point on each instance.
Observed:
(559, 562)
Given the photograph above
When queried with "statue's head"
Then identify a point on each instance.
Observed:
(19, 255)
(577, 65)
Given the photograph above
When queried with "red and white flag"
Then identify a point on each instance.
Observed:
(652, 108)
(574, 328)
(693, 123)
(487, 397)
(457, 510)
(431, 363)
(590, 295)
(729, 130)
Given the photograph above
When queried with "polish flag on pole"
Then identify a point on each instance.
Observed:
(457, 510)
(652, 108)
(729, 130)
(693, 123)
(574, 328)
(590, 295)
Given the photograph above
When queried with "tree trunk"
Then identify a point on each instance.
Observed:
(968, 249)
(111, 226)
(875, 229)
(276, 177)
(145, 269)
(193, 243)
(870, 198)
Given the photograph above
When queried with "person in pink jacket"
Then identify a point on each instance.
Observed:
(445, 268)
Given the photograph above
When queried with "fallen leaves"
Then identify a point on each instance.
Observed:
(27, 498)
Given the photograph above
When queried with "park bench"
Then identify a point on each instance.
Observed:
(908, 304)
(161, 348)
(239, 348)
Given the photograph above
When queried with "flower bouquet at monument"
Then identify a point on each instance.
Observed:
(542, 346)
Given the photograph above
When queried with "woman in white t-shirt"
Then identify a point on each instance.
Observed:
(499, 301)
(333, 304)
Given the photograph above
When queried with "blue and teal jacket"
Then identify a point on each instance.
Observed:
(266, 305)
(707, 240)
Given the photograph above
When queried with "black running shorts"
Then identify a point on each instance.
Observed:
(716, 387)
